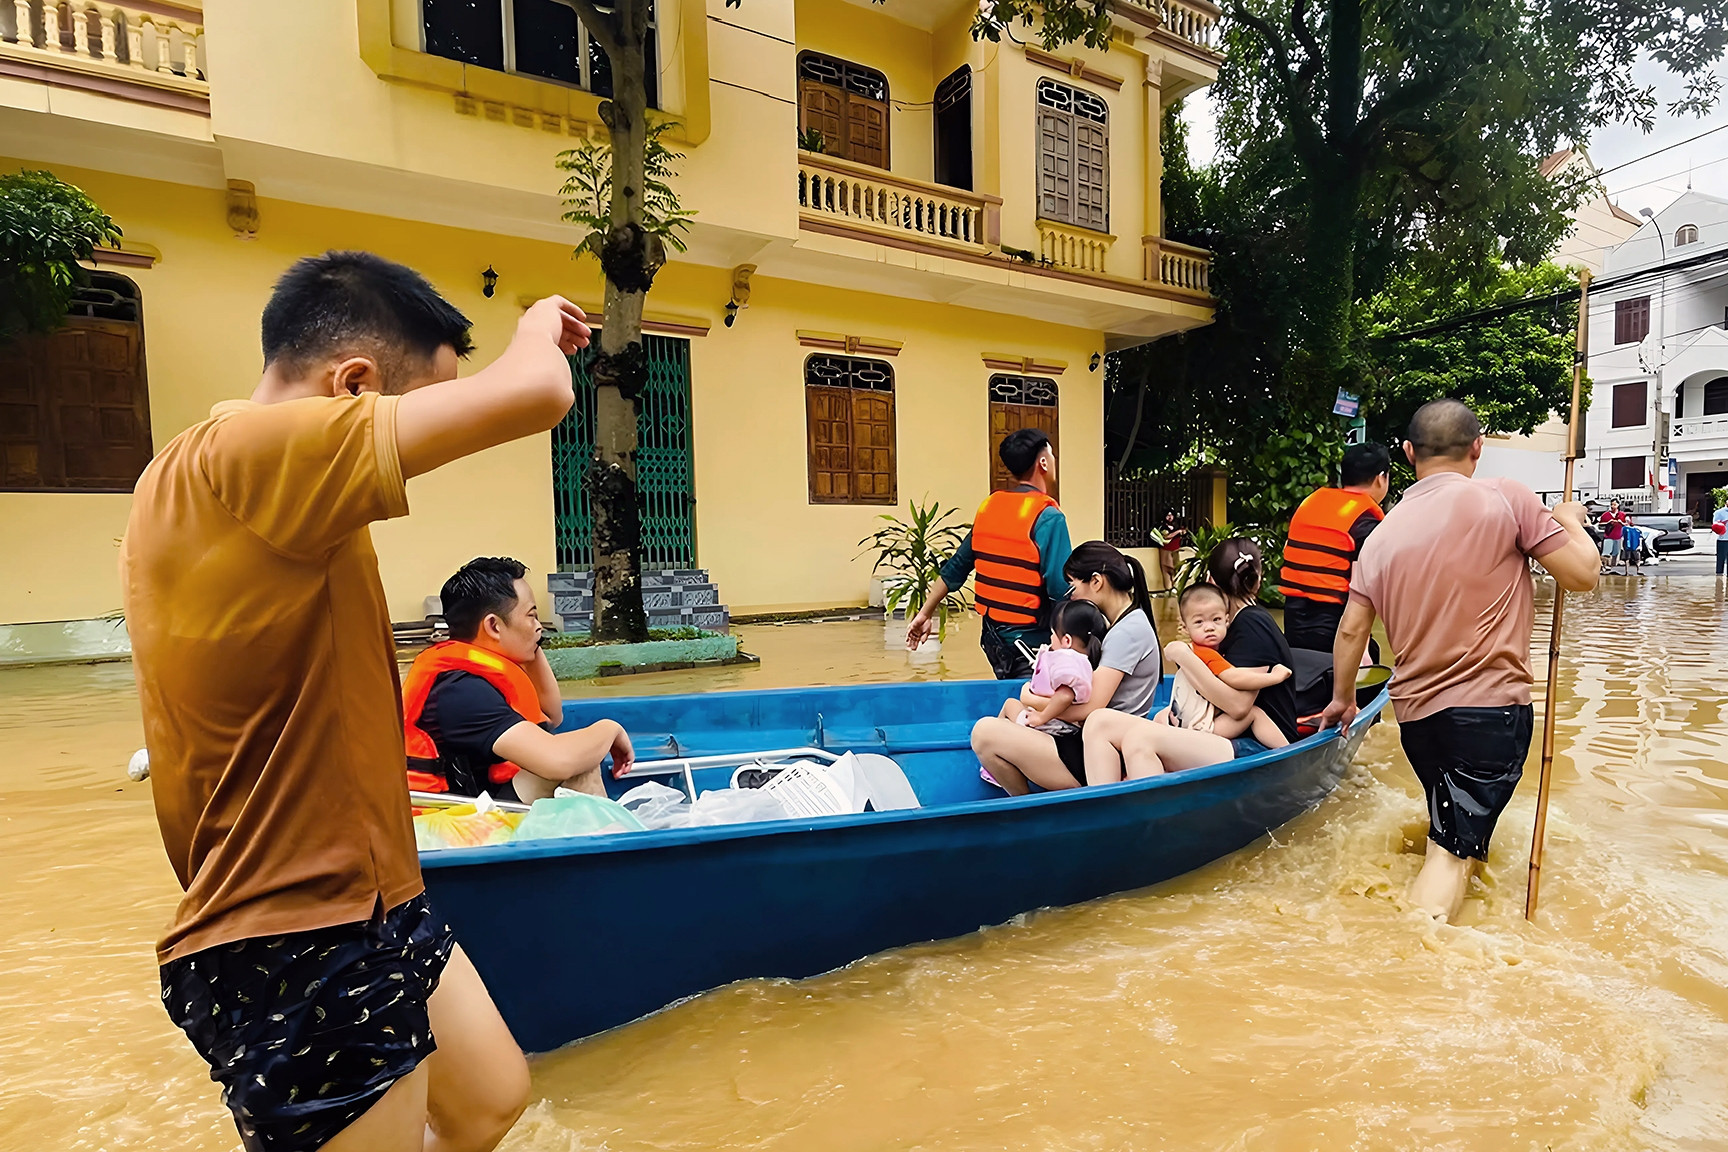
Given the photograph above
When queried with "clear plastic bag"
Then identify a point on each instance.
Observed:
(657, 806)
(576, 815)
(735, 806)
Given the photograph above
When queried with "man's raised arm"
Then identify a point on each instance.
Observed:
(526, 390)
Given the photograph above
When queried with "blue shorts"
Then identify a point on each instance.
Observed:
(1247, 746)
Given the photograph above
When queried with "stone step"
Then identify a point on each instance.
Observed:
(672, 598)
(685, 596)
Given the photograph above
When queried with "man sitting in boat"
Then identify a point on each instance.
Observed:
(479, 709)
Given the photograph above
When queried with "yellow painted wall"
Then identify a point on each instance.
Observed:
(901, 53)
(756, 531)
(201, 309)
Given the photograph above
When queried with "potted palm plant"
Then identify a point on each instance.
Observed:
(909, 558)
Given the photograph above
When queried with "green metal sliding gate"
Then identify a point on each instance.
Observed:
(664, 490)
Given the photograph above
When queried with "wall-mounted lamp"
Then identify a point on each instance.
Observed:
(488, 282)
(242, 205)
(740, 292)
(1092, 364)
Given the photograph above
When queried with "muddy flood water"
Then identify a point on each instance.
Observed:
(1282, 998)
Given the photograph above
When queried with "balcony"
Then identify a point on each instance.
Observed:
(1178, 266)
(149, 52)
(1695, 437)
(839, 196)
(1192, 24)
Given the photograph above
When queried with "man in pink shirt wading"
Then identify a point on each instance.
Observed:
(1447, 570)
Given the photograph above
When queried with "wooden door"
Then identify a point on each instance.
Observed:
(829, 412)
(1007, 418)
(822, 108)
(866, 130)
(873, 446)
(1055, 165)
(1091, 176)
(76, 407)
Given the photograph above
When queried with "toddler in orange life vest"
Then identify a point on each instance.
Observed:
(1062, 669)
(1206, 618)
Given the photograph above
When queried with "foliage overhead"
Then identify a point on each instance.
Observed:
(587, 191)
(46, 227)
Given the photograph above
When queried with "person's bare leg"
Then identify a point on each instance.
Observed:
(1011, 708)
(396, 1123)
(479, 1079)
(1265, 729)
(1101, 736)
(1150, 749)
(1440, 887)
(1014, 754)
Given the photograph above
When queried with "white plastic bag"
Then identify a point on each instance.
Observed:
(735, 806)
(657, 806)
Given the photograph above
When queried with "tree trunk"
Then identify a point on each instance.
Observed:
(629, 257)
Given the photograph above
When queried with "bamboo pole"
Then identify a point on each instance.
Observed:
(1573, 450)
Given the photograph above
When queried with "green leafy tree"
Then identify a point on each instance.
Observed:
(46, 227)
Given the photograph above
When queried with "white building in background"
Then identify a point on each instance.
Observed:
(1598, 226)
(1657, 431)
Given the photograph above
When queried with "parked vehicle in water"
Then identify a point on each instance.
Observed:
(1673, 531)
(665, 915)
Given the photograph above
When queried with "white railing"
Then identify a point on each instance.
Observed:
(113, 39)
(1068, 247)
(1192, 21)
(1180, 266)
(1698, 428)
(870, 200)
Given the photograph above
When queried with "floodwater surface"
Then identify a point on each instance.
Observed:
(1282, 998)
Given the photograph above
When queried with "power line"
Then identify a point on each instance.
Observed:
(1530, 303)
(1601, 172)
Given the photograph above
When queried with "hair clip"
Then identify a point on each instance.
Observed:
(1241, 559)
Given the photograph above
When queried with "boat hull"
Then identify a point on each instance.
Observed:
(667, 915)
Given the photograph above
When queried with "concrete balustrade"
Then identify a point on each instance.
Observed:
(122, 40)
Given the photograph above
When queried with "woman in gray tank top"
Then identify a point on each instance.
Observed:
(1125, 680)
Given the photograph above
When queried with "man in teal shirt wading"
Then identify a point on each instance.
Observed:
(1018, 545)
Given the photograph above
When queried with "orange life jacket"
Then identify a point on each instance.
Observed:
(1320, 550)
(1010, 582)
(501, 672)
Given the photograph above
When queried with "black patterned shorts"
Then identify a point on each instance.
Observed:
(306, 1031)
(1469, 761)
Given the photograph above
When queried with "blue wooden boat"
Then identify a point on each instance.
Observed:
(665, 915)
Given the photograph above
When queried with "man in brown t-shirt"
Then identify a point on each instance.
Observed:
(303, 962)
(1448, 571)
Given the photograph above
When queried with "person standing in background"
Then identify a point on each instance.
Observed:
(1326, 536)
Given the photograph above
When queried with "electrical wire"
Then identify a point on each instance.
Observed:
(1601, 172)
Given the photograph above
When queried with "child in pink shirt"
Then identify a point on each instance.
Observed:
(1062, 670)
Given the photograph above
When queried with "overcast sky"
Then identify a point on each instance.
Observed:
(1641, 183)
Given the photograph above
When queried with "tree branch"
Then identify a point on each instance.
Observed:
(1402, 99)
(1310, 68)
(599, 25)
(1299, 112)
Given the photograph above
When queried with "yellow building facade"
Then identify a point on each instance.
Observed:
(941, 220)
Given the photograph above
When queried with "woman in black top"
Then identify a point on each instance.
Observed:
(1125, 745)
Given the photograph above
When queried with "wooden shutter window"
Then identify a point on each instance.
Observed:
(1626, 472)
(848, 104)
(1018, 402)
(1073, 157)
(1629, 404)
(849, 413)
(74, 404)
(1631, 320)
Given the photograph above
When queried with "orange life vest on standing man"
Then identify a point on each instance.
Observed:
(1010, 575)
(501, 672)
(1320, 551)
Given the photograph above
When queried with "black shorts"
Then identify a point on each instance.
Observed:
(1072, 749)
(1469, 761)
(306, 1031)
(1006, 661)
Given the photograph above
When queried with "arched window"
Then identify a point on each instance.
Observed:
(842, 109)
(1073, 156)
(1686, 234)
(954, 129)
(1716, 396)
(74, 405)
(1018, 402)
(849, 409)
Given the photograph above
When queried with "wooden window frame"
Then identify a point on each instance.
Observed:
(1631, 320)
(852, 100)
(1097, 120)
(52, 407)
(1035, 396)
(821, 397)
(587, 48)
(1620, 408)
